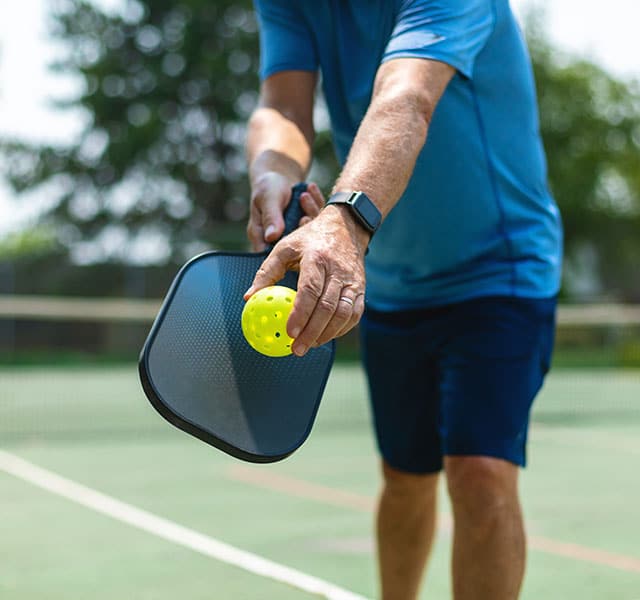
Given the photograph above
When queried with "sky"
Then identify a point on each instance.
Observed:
(607, 36)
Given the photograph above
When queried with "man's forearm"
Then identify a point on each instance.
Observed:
(394, 129)
(384, 152)
(276, 144)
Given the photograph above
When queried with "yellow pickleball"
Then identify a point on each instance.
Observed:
(264, 320)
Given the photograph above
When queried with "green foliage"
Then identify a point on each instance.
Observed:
(28, 243)
(167, 88)
(590, 124)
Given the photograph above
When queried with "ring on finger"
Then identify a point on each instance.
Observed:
(346, 299)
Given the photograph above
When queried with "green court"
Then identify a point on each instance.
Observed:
(171, 513)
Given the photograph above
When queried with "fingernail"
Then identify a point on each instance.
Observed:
(295, 333)
(247, 292)
(301, 350)
(269, 231)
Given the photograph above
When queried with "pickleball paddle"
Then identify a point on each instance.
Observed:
(201, 374)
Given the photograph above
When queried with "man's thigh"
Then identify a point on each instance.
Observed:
(456, 380)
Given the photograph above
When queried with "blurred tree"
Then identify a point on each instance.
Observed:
(159, 173)
(34, 242)
(590, 123)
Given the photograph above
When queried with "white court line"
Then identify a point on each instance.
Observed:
(168, 530)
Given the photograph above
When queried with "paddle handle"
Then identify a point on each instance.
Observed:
(293, 213)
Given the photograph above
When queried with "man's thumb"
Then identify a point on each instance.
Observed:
(272, 223)
(269, 233)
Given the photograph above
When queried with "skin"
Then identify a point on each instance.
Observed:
(489, 544)
(489, 547)
(405, 527)
(328, 251)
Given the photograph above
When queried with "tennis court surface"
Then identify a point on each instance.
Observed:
(100, 498)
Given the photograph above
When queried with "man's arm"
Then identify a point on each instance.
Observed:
(394, 129)
(279, 141)
(329, 251)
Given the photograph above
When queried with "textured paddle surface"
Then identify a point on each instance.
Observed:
(203, 370)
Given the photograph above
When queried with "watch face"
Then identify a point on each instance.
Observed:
(367, 210)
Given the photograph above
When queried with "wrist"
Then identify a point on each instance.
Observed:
(362, 209)
(270, 164)
(266, 178)
(360, 236)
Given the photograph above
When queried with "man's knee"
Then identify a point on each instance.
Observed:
(404, 484)
(482, 489)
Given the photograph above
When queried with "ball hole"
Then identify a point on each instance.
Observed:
(287, 299)
(269, 298)
(277, 334)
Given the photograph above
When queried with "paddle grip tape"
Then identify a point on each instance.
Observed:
(293, 213)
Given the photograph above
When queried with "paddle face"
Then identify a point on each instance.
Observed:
(201, 374)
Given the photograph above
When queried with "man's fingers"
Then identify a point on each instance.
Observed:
(330, 297)
(255, 233)
(266, 223)
(309, 208)
(347, 314)
(352, 321)
(310, 287)
(270, 195)
(317, 195)
(272, 270)
(312, 201)
(325, 311)
(272, 221)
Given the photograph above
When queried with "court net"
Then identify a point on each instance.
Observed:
(68, 370)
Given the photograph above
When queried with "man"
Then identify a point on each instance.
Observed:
(434, 118)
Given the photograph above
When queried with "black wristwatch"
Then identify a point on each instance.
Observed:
(365, 212)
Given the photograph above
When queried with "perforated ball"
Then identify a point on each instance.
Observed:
(264, 320)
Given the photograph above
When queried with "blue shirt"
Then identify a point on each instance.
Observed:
(477, 217)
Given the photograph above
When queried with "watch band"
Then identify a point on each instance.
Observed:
(361, 207)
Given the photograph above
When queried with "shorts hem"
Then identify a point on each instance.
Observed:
(517, 458)
(414, 469)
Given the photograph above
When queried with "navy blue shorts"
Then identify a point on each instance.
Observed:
(456, 380)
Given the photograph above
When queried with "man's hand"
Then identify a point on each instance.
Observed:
(269, 198)
(279, 140)
(329, 254)
(329, 250)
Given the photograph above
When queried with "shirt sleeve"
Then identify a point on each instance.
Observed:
(450, 31)
(286, 43)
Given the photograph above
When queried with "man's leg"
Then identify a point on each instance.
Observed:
(405, 526)
(398, 361)
(492, 366)
(489, 547)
